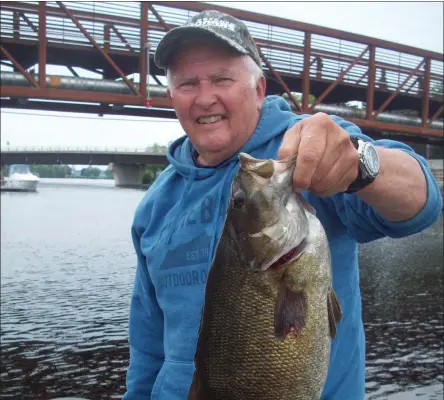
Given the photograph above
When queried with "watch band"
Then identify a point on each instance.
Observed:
(359, 183)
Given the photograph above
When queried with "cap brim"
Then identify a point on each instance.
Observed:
(176, 38)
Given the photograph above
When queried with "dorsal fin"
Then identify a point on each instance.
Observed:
(263, 168)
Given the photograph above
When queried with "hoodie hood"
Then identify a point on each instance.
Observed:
(275, 118)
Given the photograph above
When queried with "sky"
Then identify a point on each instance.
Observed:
(418, 24)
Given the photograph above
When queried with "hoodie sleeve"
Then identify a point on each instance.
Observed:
(145, 332)
(363, 222)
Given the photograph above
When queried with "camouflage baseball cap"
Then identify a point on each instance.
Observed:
(207, 25)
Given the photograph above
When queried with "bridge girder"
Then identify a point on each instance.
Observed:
(297, 57)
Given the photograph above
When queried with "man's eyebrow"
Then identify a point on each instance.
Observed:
(222, 72)
(184, 78)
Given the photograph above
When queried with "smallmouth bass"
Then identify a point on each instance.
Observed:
(270, 311)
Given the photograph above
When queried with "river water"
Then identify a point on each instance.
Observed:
(67, 269)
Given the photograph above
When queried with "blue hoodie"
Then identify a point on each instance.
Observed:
(175, 231)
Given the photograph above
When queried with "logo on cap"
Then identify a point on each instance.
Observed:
(214, 22)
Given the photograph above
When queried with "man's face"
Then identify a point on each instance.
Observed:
(214, 99)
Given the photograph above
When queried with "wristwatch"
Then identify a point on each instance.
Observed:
(368, 167)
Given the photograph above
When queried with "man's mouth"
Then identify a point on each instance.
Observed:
(210, 119)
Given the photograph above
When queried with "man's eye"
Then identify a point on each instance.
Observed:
(222, 80)
(186, 85)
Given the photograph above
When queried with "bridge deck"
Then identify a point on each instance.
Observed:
(81, 156)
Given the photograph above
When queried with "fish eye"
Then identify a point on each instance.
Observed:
(239, 199)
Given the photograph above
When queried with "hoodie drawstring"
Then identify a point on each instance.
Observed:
(190, 180)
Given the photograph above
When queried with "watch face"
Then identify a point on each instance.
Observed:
(371, 160)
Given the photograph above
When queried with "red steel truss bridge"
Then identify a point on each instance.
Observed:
(401, 87)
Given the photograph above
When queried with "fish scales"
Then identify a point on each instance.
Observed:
(238, 355)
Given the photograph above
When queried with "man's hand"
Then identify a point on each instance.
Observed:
(327, 161)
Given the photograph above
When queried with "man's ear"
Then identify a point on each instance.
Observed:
(169, 94)
(261, 88)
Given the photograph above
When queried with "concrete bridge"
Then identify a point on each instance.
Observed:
(127, 164)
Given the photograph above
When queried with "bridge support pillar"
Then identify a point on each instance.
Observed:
(127, 175)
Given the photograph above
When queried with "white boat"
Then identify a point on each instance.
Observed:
(20, 179)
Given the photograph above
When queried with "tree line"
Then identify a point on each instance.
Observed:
(65, 171)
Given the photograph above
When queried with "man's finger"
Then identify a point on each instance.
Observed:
(338, 148)
(337, 179)
(310, 153)
(326, 165)
(290, 141)
(346, 181)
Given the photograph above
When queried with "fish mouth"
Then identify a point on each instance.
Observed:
(291, 255)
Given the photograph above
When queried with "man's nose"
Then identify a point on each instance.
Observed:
(206, 96)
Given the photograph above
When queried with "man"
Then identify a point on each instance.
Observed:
(217, 88)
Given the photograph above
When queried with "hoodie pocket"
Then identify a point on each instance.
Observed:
(173, 381)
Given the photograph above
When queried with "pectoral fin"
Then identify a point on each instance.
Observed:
(290, 311)
(334, 312)
(307, 205)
